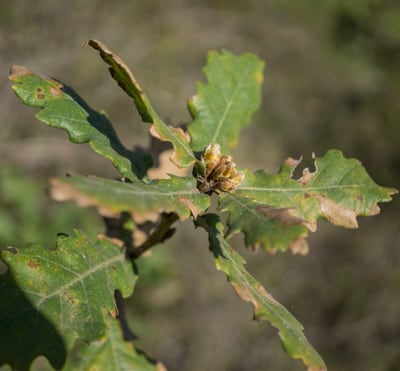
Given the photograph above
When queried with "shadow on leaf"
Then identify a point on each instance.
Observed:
(139, 159)
(24, 332)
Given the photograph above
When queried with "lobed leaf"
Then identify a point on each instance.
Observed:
(273, 229)
(121, 73)
(145, 201)
(338, 190)
(226, 103)
(265, 306)
(111, 352)
(62, 108)
(50, 298)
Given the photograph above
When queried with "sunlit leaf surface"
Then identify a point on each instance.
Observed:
(276, 210)
(183, 155)
(62, 108)
(226, 103)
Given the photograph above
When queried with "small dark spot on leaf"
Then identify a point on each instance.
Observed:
(360, 198)
(69, 298)
(32, 264)
(39, 94)
(306, 195)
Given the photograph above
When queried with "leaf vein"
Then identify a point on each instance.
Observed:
(229, 104)
(80, 278)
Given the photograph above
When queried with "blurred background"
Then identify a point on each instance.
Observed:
(332, 80)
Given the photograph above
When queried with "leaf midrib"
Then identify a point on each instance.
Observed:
(80, 278)
(230, 103)
(302, 189)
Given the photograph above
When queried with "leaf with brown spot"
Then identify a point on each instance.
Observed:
(338, 190)
(144, 201)
(61, 107)
(45, 310)
(32, 264)
(265, 306)
(337, 214)
(121, 73)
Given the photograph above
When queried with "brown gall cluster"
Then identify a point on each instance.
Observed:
(216, 173)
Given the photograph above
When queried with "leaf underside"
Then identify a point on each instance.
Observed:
(223, 106)
(53, 297)
(275, 211)
(121, 73)
(62, 108)
(111, 352)
(145, 201)
(265, 306)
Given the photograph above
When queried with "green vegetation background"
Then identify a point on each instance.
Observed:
(332, 80)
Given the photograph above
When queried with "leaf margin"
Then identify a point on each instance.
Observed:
(121, 73)
(225, 259)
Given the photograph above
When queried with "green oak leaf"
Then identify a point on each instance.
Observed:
(226, 103)
(338, 190)
(249, 289)
(62, 108)
(272, 229)
(183, 155)
(145, 201)
(111, 352)
(50, 298)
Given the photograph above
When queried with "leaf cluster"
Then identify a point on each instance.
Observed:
(60, 297)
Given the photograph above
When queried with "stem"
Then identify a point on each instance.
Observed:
(160, 234)
(126, 331)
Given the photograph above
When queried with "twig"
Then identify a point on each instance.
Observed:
(160, 234)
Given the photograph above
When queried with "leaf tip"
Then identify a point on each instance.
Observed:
(17, 71)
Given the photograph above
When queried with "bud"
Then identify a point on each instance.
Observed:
(216, 173)
(237, 179)
(211, 156)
